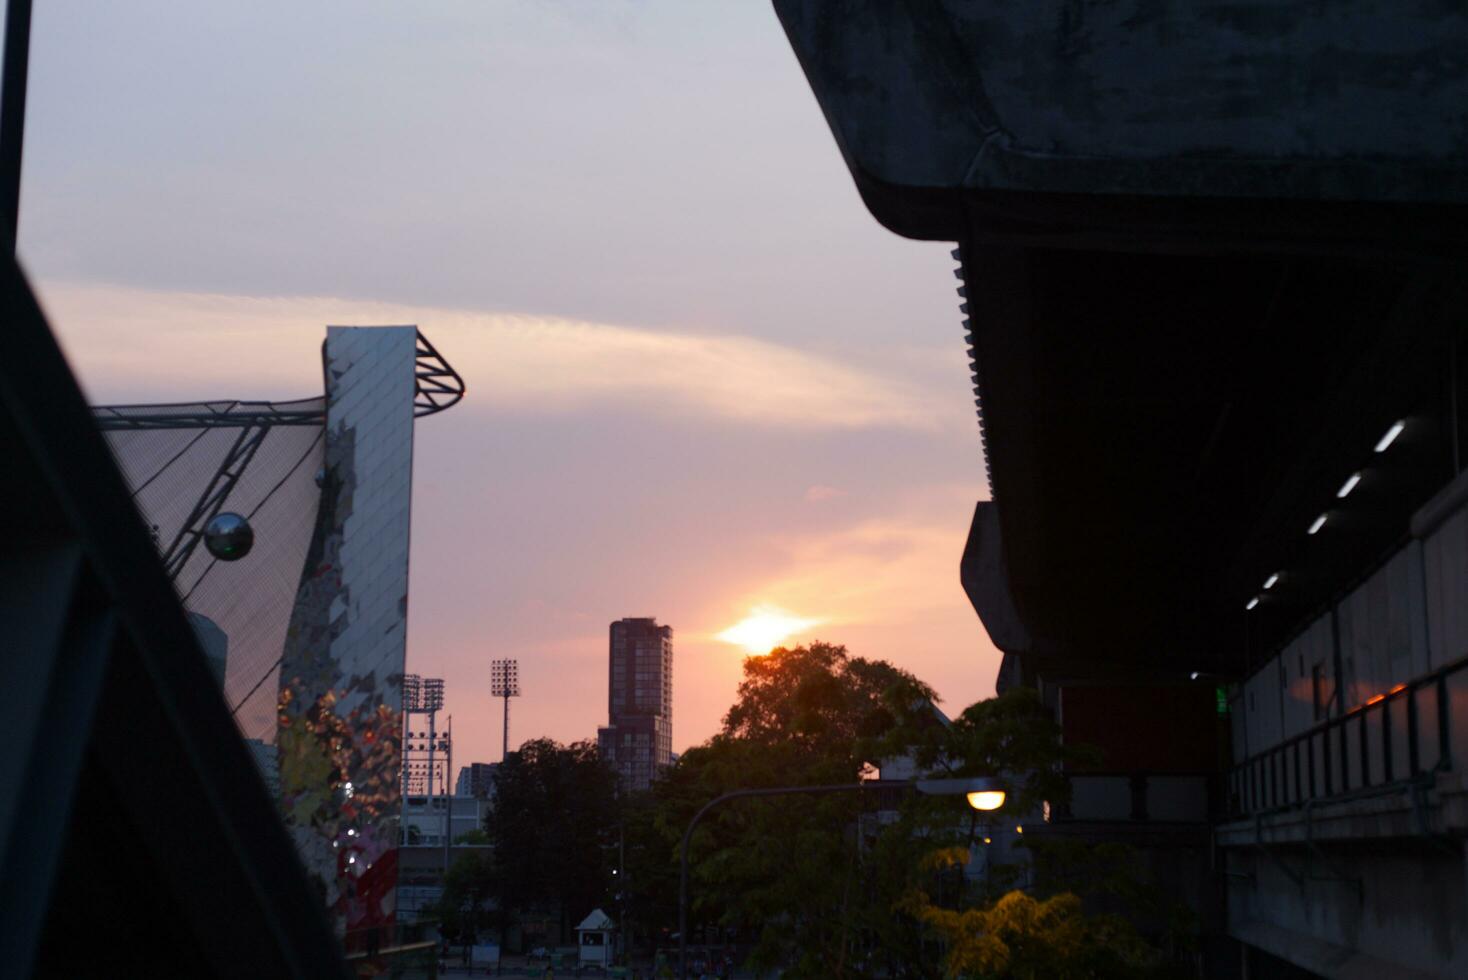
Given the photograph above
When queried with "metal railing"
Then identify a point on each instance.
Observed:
(1394, 738)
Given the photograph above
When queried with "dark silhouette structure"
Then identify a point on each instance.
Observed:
(136, 834)
(1209, 267)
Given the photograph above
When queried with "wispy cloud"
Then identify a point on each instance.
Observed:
(820, 493)
(893, 568)
(215, 345)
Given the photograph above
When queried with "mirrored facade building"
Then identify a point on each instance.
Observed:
(306, 630)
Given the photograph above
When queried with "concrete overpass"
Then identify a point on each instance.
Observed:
(1209, 258)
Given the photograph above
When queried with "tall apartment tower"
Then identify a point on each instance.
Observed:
(638, 739)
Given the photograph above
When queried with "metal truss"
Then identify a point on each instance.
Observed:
(438, 386)
(208, 415)
(254, 420)
(212, 499)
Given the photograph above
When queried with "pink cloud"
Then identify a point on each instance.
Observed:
(819, 493)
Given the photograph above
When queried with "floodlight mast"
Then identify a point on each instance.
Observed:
(421, 696)
(504, 683)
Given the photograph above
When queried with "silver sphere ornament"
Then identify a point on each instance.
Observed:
(228, 536)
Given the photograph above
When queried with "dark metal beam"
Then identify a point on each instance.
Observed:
(437, 385)
(12, 111)
(211, 499)
(217, 415)
(153, 737)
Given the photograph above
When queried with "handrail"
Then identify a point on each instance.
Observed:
(1278, 779)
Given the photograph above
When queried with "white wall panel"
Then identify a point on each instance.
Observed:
(1383, 628)
(1262, 708)
(1445, 557)
(1312, 649)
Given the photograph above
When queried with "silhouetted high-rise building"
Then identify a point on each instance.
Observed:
(638, 739)
(476, 780)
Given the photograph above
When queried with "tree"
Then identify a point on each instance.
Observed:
(1012, 736)
(552, 826)
(789, 870)
(830, 888)
(471, 881)
(1026, 938)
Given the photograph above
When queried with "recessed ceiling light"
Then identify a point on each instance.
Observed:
(1349, 485)
(1270, 582)
(1251, 603)
(1318, 523)
(1391, 436)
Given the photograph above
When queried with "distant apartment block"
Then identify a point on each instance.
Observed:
(476, 780)
(638, 739)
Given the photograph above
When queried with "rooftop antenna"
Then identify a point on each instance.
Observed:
(504, 683)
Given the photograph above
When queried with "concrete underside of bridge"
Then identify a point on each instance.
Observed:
(1208, 254)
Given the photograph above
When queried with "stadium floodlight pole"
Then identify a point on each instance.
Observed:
(504, 683)
(983, 793)
(12, 112)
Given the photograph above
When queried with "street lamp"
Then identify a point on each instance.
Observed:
(982, 793)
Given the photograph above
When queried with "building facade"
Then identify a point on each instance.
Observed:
(422, 855)
(476, 780)
(638, 739)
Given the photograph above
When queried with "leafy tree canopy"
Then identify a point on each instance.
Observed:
(552, 824)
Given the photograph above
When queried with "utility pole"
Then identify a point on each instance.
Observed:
(622, 934)
(448, 799)
(504, 683)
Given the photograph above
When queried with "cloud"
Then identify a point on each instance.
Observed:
(886, 586)
(893, 568)
(820, 493)
(190, 345)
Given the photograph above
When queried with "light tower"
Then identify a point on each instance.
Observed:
(421, 696)
(432, 702)
(504, 683)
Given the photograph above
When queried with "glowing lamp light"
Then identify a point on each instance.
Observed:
(1349, 485)
(1272, 581)
(1249, 606)
(1317, 524)
(988, 799)
(1384, 443)
(982, 792)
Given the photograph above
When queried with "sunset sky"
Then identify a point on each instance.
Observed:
(702, 380)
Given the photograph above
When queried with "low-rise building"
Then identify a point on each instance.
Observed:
(423, 818)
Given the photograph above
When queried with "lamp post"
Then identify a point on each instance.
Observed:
(982, 792)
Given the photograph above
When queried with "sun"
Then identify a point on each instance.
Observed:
(765, 628)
